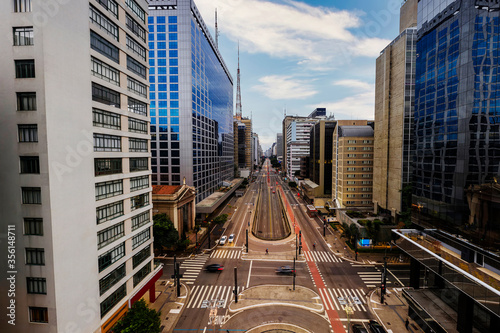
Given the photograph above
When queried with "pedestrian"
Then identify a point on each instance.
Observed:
(407, 322)
(267, 251)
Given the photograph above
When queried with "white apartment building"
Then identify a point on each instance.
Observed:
(76, 187)
(297, 143)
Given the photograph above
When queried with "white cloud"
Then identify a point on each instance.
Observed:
(358, 106)
(285, 87)
(355, 84)
(292, 29)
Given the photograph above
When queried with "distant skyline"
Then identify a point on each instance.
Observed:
(299, 55)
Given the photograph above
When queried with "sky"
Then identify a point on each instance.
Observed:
(296, 56)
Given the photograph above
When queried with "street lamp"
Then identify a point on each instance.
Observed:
(349, 311)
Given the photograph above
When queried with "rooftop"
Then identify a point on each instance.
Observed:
(166, 189)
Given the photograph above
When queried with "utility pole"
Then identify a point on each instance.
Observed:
(355, 248)
(235, 285)
(178, 280)
(324, 227)
(300, 241)
(175, 269)
(384, 280)
(296, 246)
(247, 241)
(294, 274)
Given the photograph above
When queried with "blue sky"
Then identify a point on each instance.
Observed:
(299, 55)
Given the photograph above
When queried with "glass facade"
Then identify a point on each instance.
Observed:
(191, 93)
(457, 109)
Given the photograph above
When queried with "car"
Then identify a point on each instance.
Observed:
(358, 328)
(214, 268)
(375, 327)
(285, 270)
(231, 238)
(223, 240)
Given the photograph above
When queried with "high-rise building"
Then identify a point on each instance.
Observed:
(297, 137)
(457, 111)
(394, 107)
(279, 146)
(255, 150)
(320, 157)
(191, 92)
(352, 169)
(76, 187)
(243, 143)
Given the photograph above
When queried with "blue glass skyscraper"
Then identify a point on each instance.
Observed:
(457, 109)
(191, 93)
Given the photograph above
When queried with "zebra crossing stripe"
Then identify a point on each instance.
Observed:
(334, 299)
(229, 254)
(321, 256)
(192, 297)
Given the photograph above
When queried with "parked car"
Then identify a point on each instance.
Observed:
(375, 327)
(223, 240)
(231, 238)
(285, 270)
(358, 328)
(214, 268)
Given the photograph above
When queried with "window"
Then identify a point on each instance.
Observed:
(351, 162)
(367, 148)
(138, 107)
(367, 155)
(105, 72)
(32, 195)
(351, 176)
(113, 299)
(25, 69)
(36, 285)
(141, 256)
(137, 126)
(26, 101)
(106, 119)
(141, 238)
(109, 5)
(365, 195)
(142, 273)
(23, 36)
(29, 164)
(351, 141)
(38, 315)
(108, 189)
(28, 133)
(138, 145)
(138, 164)
(136, 67)
(366, 189)
(105, 142)
(105, 95)
(367, 176)
(136, 28)
(367, 141)
(136, 47)
(110, 257)
(35, 256)
(351, 155)
(22, 6)
(139, 201)
(367, 162)
(140, 220)
(138, 183)
(107, 166)
(351, 169)
(367, 169)
(137, 87)
(104, 47)
(351, 148)
(110, 234)
(111, 279)
(136, 9)
(103, 22)
(109, 212)
(33, 226)
(366, 182)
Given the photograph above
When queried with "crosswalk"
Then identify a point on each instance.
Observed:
(226, 254)
(321, 256)
(192, 268)
(203, 296)
(338, 298)
(371, 279)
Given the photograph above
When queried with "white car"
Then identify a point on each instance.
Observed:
(223, 240)
(231, 238)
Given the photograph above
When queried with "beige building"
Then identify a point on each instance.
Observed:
(178, 202)
(394, 98)
(352, 167)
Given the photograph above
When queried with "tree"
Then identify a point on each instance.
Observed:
(164, 232)
(221, 219)
(139, 319)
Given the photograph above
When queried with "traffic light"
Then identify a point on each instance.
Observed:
(298, 194)
(382, 289)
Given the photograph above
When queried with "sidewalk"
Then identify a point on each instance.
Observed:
(169, 304)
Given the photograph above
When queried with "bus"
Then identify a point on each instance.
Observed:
(311, 211)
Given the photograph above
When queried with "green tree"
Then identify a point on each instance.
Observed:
(164, 232)
(139, 319)
(221, 219)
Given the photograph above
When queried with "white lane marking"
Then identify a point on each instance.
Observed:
(249, 273)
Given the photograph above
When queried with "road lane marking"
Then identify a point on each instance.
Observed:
(192, 297)
(249, 273)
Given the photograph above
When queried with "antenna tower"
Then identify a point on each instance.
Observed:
(216, 30)
(238, 88)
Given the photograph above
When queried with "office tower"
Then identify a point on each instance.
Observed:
(279, 146)
(191, 92)
(320, 157)
(352, 169)
(75, 162)
(255, 150)
(457, 108)
(394, 107)
(297, 137)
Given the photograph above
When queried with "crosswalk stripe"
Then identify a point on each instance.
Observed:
(334, 299)
(192, 298)
(198, 304)
(324, 298)
(321, 256)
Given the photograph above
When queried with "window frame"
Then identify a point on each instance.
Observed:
(33, 226)
(25, 68)
(41, 312)
(38, 254)
(26, 101)
(29, 164)
(19, 38)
